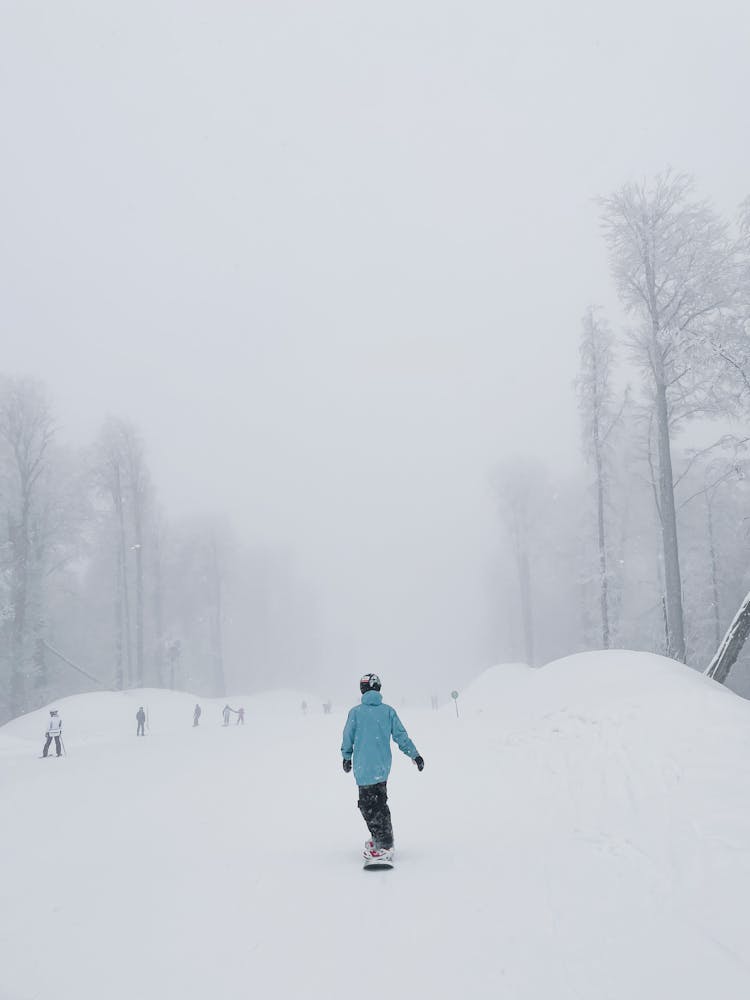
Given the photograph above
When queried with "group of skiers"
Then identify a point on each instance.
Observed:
(239, 712)
(225, 713)
(197, 712)
(54, 727)
(365, 748)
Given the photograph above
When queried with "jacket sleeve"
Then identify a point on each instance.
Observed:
(401, 736)
(347, 742)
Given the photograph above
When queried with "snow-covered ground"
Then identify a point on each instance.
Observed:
(581, 831)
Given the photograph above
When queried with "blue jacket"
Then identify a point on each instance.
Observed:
(367, 737)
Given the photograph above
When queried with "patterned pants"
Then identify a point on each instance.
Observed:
(373, 804)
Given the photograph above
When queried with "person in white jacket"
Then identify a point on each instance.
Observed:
(54, 732)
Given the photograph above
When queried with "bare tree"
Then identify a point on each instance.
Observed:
(599, 416)
(110, 475)
(199, 577)
(138, 494)
(158, 532)
(26, 434)
(677, 272)
(706, 473)
(522, 491)
(216, 613)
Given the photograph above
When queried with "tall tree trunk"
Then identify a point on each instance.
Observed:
(119, 680)
(139, 656)
(19, 590)
(37, 610)
(524, 589)
(137, 484)
(668, 514)
(527, 609)
(18, 604)
(603, 579)
(217, 639)
(41, 679)
(124, 590)
(173, 656)
(26, 427)
(731, 645)
(714, 573)
(599, 466)
(158, 611)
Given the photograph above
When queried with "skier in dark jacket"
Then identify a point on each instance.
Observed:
(140, 716)
(367, 739)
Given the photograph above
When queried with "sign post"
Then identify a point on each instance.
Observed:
(454, 696)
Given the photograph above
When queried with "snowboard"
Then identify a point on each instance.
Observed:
(377, 864)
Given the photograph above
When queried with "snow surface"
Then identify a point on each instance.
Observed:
(580, 831)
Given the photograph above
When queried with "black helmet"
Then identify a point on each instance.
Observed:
(370, 682)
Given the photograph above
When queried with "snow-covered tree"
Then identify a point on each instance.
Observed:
(677, 270)
(599, 416)
(110, 476)
(26, 435)
(123, 482)
(523, 492)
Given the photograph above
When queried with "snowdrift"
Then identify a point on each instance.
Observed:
(580, 831)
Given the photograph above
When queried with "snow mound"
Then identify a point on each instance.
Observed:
(595, 683)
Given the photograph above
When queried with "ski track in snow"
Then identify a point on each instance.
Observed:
(581, 831)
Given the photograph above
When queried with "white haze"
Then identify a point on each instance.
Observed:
(331, 259)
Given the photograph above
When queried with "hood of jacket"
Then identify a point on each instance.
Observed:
(372, 698)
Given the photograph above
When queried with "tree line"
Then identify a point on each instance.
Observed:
(99, 587)
(650, 549)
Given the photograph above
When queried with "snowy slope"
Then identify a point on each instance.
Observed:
(580, 831)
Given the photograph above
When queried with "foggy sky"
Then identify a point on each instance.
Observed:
(332, 257)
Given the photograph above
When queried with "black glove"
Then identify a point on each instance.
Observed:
(419, 761)
(347, 765)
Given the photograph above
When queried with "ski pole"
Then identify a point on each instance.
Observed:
(62, 744)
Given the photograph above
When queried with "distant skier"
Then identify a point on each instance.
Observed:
(226, 713)
(54, 732)
(196, 715)
(240, 716)
(141, 719)
(367, 738)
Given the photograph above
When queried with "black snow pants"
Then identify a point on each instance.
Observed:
(141, 730)
(373, 804)
(57, 746)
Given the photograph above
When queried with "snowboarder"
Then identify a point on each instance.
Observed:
(367, 739)
(140, 716)
(196, 715)
(54, 732)
(226, 713)
(240, 716)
